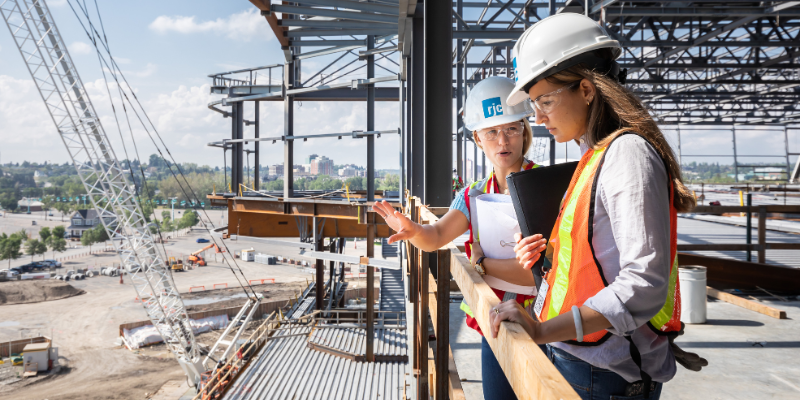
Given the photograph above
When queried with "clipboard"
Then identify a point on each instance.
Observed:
(536, 195)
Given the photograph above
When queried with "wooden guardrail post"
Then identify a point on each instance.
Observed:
(442, 323)
(422, 317)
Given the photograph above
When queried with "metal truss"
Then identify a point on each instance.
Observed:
(46, 57)
(692, 62)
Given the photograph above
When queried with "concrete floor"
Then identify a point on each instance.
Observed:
(750, 355)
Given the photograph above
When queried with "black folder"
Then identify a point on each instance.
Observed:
(536, 195)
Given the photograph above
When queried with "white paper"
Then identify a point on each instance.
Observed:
(498, 224)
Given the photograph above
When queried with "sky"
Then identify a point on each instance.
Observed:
(167, 49)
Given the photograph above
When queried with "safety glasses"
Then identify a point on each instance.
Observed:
(510, 130)
(546, 103)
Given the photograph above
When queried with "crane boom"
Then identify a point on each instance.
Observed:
(46, 57)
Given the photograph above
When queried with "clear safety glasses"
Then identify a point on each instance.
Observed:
(546, 103)
(510, 130)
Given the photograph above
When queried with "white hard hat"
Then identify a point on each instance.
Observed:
(555, 44)
(486, 104)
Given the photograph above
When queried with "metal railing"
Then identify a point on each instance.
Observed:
(220, 79)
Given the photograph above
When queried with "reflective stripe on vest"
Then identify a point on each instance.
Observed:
(576, 275)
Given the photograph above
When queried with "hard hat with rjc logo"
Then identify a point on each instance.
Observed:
(486, 104)
(555, 44)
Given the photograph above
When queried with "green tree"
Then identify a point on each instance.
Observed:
(166, 215)
(34, 247)
(45, 234)
(9, 201)
(188, 219)
(391, 182)
(57, 244)
(64, 208)
(58, 232)
(87, 239)
(100, 235)
(47, 204)
(9, 248)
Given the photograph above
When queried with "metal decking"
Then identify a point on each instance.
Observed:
(388, 342)
(392, 290)
(287, 369)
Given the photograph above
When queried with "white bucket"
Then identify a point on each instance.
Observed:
(693, 294)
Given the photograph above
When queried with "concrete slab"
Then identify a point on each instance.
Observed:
(750, 355)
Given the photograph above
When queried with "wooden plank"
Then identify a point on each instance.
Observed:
(528, 370)
(268, 225)
(734, 274)
(442, 326)
(744, 303)
(455, 390)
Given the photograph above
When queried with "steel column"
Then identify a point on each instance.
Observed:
(370, 122)
(237, 128)
(438, 102)
(288, 130)
(257, 160)
(459, 98)
(735, 159)
(417, 100)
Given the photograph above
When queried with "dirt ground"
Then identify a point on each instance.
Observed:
(234, 296)
(35, 291)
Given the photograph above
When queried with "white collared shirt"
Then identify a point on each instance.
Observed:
(631, 242)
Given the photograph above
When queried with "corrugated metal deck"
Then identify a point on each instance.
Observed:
(702, 232)
(388, 342)
(287, 369)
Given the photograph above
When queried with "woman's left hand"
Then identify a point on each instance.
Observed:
(511, 311)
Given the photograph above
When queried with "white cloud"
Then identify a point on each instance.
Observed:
(149, 70)
(79, 48)
(242, 26)
(122, 60)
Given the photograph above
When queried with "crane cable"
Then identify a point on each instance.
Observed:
(115, 71)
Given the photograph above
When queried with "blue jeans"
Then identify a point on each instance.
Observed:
(592, 383)
(495, 384)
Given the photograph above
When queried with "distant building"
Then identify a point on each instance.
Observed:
(322, 166)
(83, 220)
(311, 158)
(39, 174)
(34, 204)
(347, 172)
(276, 170)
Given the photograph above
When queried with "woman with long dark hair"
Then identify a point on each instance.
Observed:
(609, 304)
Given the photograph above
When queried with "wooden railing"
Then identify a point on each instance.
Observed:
(529, 371)
(762, 246)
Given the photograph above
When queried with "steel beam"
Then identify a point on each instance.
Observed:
(322, 12)
(417, 104)
(438, 103)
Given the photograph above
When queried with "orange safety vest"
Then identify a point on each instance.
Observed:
(575, 274)
(487, 185)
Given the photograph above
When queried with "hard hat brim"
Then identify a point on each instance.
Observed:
(496, 121)
(518, 94)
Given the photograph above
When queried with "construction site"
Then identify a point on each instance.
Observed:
(299, 294)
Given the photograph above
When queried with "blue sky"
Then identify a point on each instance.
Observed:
(166, 50)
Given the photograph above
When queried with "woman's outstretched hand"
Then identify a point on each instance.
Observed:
(529, 249)
(405, 228)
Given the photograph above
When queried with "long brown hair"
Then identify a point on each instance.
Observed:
(616, 110)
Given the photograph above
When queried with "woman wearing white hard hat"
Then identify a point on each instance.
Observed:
(610, 300)
(504, 135)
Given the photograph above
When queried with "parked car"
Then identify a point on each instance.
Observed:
(202, 240)
(33, 222)
(9, 273)
(53, 263)
(28, 267)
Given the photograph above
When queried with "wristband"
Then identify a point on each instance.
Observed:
(576, 315)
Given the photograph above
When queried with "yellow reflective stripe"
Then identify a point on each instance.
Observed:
(528, 302)
(465, 308)
(559, 290)
(665, 314)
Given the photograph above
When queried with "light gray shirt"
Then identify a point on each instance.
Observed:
(631, 242)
